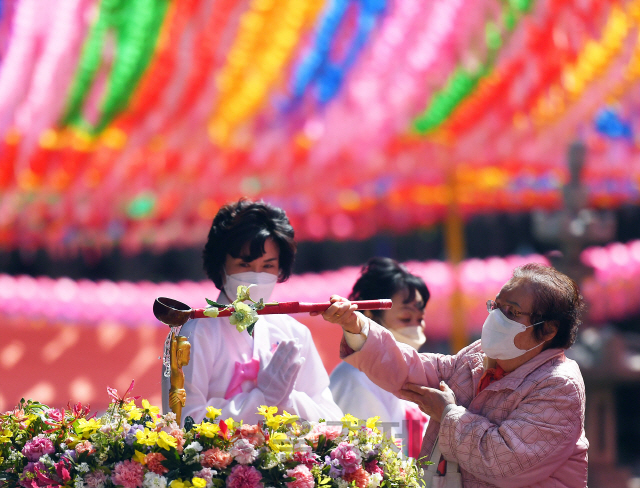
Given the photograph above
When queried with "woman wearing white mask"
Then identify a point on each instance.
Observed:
(508, 409)
(252, 243)
(352, 390)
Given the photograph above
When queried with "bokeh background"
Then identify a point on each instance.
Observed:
(462, 138)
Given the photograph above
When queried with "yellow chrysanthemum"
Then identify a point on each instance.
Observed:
(267, 411)
(207, 429)
(151, 409)
(133, 412)
(278, 441)
(372, 423)
(199, 482)
(165, 441)
(5, 436)
(274, 422)
(180, 484)
(147, 437)
(288, 418)
(85, 428)
(213, 413)
(350, 422)
(139, 457)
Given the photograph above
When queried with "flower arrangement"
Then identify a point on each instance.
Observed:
(243, 315)
(133, 446)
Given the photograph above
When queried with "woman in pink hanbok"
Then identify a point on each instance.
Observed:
(509, 408)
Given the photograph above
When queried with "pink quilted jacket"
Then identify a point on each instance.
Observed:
(526, 429)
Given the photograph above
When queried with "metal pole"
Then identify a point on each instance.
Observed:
(455, 251)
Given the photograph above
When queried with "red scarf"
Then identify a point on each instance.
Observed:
(491, 375)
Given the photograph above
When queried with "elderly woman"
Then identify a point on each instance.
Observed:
(509, 409)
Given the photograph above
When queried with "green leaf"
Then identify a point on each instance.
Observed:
(215, 304)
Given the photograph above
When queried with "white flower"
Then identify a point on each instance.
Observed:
(83, 468)
(211, 312)
(342, 483)
(153, 480)
(374, 480)
(194, 446)
(46, 460)
(78, 482)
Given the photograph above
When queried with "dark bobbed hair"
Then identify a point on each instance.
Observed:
(242, 222)
(557, 301)
(384, 277)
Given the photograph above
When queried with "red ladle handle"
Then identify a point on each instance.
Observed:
(301, 307)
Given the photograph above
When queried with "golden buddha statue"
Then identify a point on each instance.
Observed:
(180, 356)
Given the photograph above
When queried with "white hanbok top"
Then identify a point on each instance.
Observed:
(216, 345)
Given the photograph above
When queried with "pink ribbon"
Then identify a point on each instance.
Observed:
(247, 371)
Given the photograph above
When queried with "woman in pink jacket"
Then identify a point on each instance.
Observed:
(509, 409)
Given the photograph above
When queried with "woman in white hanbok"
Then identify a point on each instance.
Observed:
(352, 390)
(252, 243)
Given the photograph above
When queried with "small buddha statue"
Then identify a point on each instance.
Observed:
(180, 356)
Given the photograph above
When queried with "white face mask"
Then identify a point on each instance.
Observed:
(264, 284)
(412, 335)
(498, 334)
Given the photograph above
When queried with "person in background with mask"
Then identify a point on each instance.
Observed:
(352, 390)
(509, 409)
(252, 243)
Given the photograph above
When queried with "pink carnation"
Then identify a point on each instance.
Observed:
(179, 437)
(244, 477)
(303, 477)
(348, 456)
(306, 458)
(55, 414)
(330, 432)
(153, 460)
(38, 446)
(95, 479)
(360, 476)
(373, 468)
(251, 433)
(128, 474)
(243, 452)
(206, 474)
(215, 458)
(85, 446)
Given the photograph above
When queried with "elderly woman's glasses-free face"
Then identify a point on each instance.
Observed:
(510, 312)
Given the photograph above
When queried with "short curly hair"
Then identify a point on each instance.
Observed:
(557, 302)
(383, 277)
(246, 222)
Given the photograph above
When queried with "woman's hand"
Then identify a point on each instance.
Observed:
(343, 313)
(430, 400)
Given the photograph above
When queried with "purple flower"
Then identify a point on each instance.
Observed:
(130, 438)
(71, 454)
(348, 456)
(335, 470)
(37, 447)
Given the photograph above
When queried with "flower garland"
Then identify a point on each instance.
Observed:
(133, 446)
